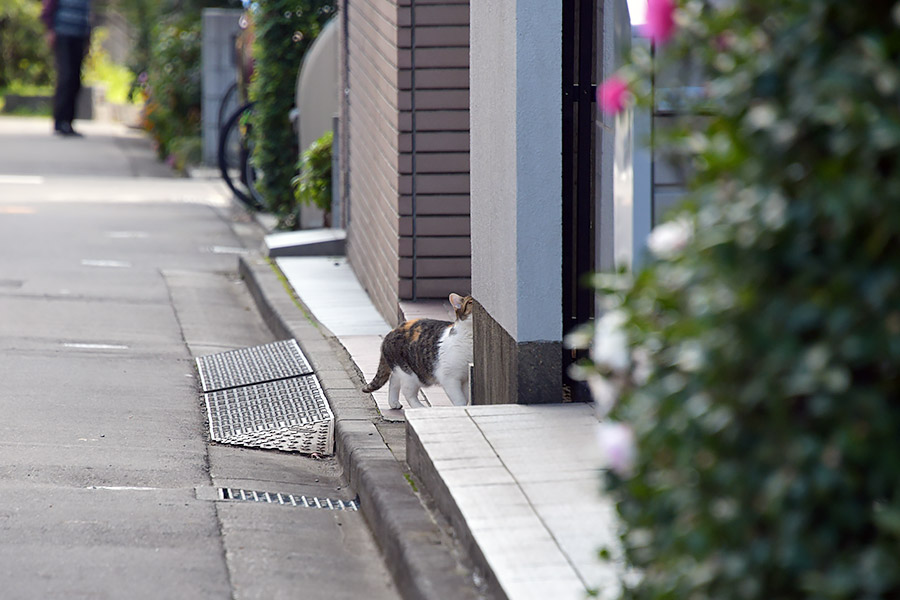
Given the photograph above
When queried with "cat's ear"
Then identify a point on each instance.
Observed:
(456, 301)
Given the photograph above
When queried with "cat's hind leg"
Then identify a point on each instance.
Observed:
(394, 392)
(411, 393)
(456, 391)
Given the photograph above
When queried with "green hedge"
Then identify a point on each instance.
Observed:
(759, 367)
(25, 58)
(284, 30)
(173, 83)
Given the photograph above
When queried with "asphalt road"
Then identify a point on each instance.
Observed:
(113, 275)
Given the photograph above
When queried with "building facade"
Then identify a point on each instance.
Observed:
(473, 157)
(405, 148)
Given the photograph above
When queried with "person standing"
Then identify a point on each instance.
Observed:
(68, 25)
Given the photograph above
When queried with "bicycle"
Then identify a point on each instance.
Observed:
(235, 149)
(234, 155)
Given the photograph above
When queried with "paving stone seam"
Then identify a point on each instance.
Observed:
(409, 539)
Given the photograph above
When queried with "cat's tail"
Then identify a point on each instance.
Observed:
(381, 376)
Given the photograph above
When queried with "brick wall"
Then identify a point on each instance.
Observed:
(407, 127)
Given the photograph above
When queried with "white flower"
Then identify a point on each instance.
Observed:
(617, 447)
(610, 347)
(762, 116)
(605, 393)
(671, 238)
(578, 339)
(774, 212)
(691, 357)
(643, 366)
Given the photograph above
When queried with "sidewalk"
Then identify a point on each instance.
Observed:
(518, 484)
(115, 274)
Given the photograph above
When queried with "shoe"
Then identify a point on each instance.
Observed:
(66, 130)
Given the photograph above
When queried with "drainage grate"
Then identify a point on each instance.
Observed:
(290, 414)
(248, 366)
(287, 499)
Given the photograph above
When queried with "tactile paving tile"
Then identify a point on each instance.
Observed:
(289, 414)
(248, 366)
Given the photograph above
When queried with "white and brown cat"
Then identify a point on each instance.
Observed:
(424, 352)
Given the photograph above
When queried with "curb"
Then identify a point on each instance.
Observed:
(415, 550)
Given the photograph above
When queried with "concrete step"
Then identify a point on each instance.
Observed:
(522, 489)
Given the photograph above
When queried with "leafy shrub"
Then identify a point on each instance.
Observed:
(312, 186)
(185, 151)
(99, 68)
(173, 83)
(767, 329)
(25, 58)
(284, 30)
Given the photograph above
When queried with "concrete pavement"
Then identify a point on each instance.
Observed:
(113, 275)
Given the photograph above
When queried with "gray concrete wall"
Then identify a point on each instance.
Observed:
(516, 199)
(516, 165)
(220, 26)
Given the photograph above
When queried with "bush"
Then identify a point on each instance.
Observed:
(284, 30)
(766, 417)
(184, 152)
(25, 58)
(173, 83)
(100, 69)
(312, 186)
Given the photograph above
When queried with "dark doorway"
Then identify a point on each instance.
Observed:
(579, 62)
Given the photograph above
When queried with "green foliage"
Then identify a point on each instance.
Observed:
(767, 432)
(141, 15)
(173, 83)
(284, 30)
(25, 58)
(185, 151)
(27, 89)
(144, 15)
(100, 69)
(312, 186)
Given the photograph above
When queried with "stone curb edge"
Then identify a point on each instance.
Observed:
(411, 542)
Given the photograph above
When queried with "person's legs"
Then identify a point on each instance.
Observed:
(69, 57)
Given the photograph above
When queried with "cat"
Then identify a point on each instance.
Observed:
(423, 352)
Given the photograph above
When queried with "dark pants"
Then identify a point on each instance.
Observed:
(69, 56)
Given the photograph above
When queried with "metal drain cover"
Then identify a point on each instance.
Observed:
(287, 499)
(290, 414)
(248, 366)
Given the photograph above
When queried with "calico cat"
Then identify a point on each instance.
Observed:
(422, 352)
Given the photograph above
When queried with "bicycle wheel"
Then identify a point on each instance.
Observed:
(251, 175)
(227, 105)
(234, 157)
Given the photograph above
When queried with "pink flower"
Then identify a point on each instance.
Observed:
(617, 447)
(660, 25)
(611, 95)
